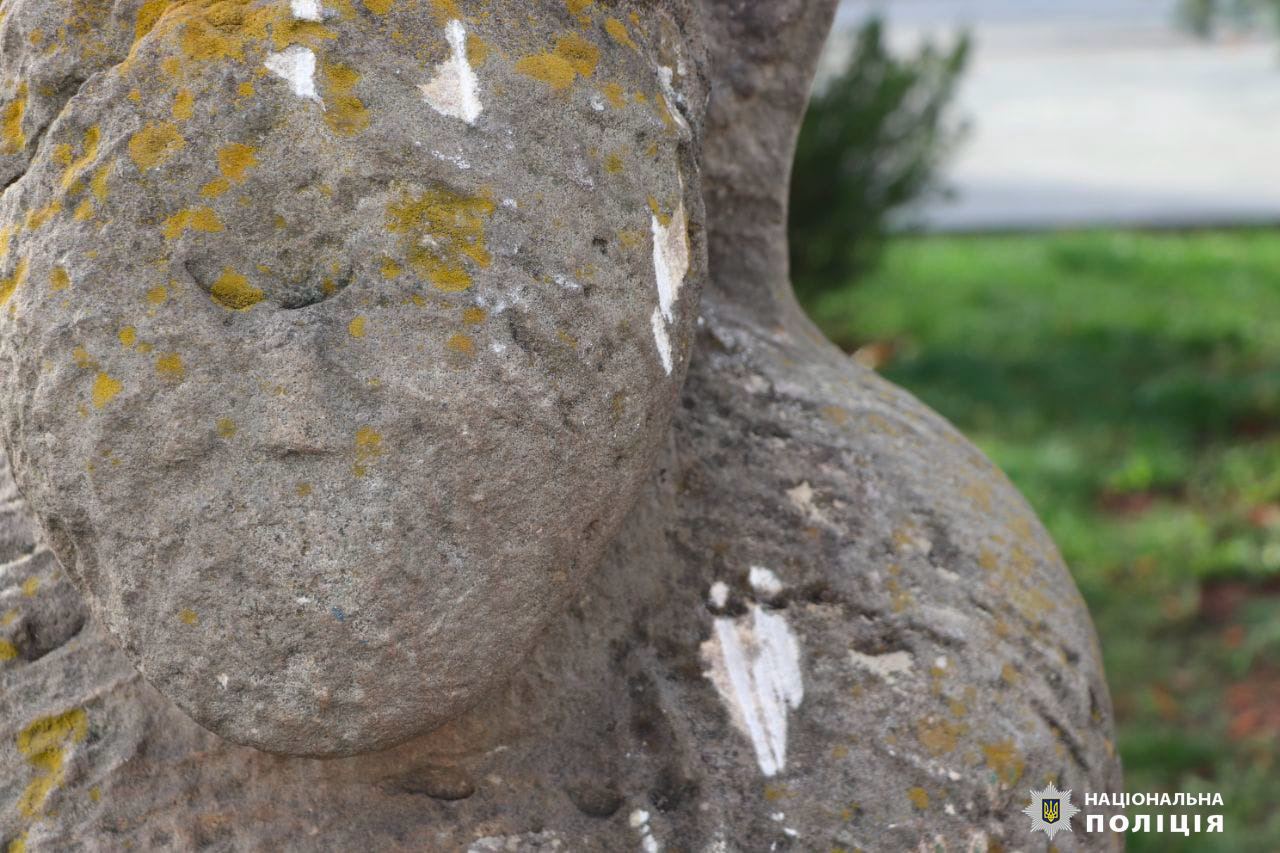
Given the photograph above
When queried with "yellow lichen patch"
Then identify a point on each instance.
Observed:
(188, 616)
(303, 490)
(128, 337)
(83, 360)
(289, 31)
(446, 10)
(356, 327)
(378, 7)
(7, 650)
(88, 153)
(30, 586)
(158, 294)
(1009, 674)
(154, 144)
(618, 32)
(477, 51)
(10, 285)
(38, 218)
(919, 798)
(549, 68)
(12, 138)
(233, 291)
(184, 105)
(59, 279)
(345, 114)
(211, 30)
(579, 53)
(227, 428)
(95, 793)
(44, 743)
(1004, 761)
(368, 448)
(577, 7)
(245, 90)
(939, 737)
(192, 219)
(630, 239)
(461, 343)
(615, 95)
(452, 226)
(474, 316)
(148, 14)
(236, 159)
(98, 185)
(215, 188)
(664, 219)
(105, 389)
(390, 269)
(613, 164)
(170, 367)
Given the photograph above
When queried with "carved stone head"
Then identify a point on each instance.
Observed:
(336, 336)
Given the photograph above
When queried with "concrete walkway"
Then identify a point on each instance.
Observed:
(1100, 112)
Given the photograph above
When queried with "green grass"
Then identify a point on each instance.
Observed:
(1130, 385)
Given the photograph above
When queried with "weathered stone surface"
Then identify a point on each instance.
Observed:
(918, 681)
(338, 337)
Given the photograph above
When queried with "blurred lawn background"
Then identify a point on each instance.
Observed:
(1129, 384)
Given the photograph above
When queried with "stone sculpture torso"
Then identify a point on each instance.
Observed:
(823, 624)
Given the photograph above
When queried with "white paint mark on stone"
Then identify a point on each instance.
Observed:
(639, 821)
(754, 663)
(887, 665)
(719, 594)
(670, 259)
(662, 341)
(765, 582)
(456, 159)
(455, 90)
(566, 282)
(307, 10)
(666, 78)
(297, 66)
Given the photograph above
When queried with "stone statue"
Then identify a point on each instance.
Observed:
(413, 395)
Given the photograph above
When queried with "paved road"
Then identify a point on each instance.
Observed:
(1101, 112)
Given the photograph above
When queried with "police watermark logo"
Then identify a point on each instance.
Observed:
(1050, 811)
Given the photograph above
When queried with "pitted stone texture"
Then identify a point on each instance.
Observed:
(329, 357)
